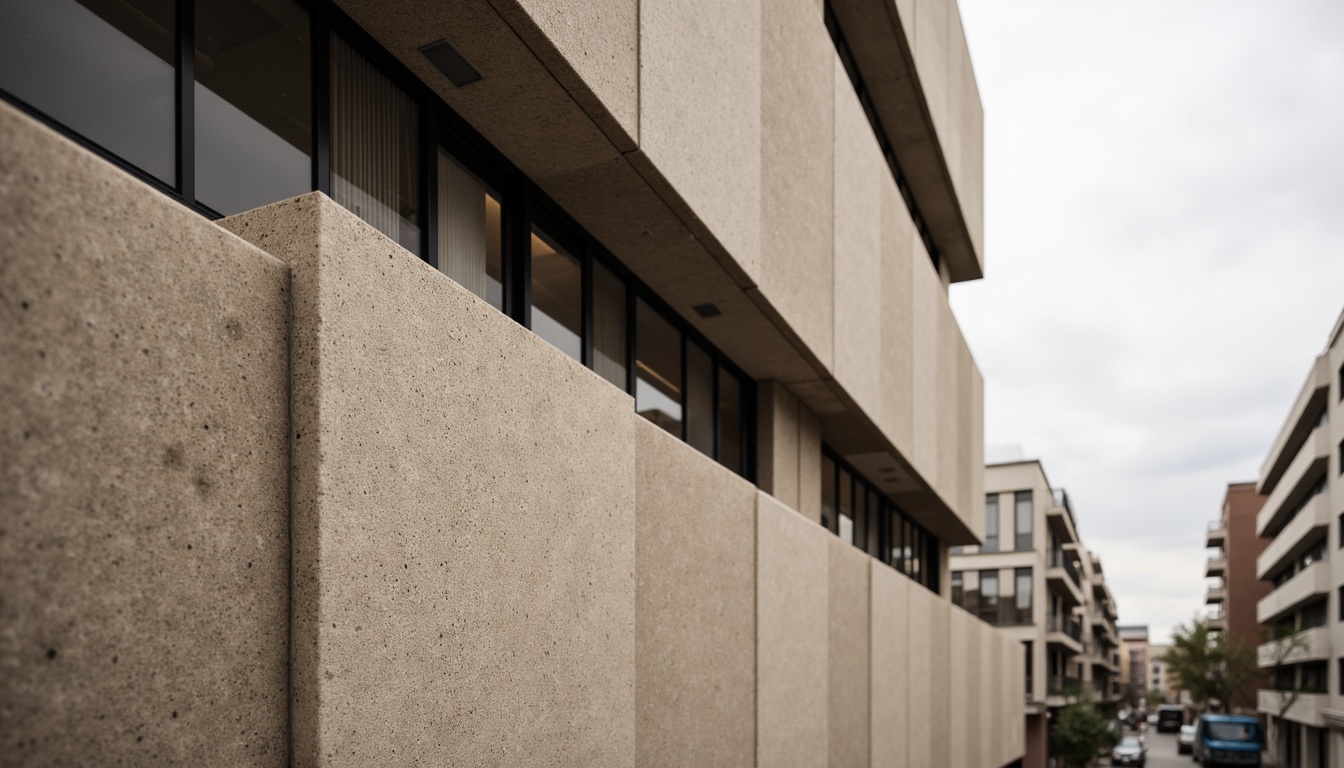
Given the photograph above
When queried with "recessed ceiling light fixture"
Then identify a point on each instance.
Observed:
(708, 309)
(451, 62)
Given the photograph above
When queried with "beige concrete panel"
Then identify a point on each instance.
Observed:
(932, 31)
(809, 464)
(464, 550)
(700, 119)
(518, 92)
(940, 698)
(1012, 683)
(592, 49)
(849, 604)
(897, 412)
(991, 737)
(792, 631)
(859, 171)
(958, 685)
(778, 443)
(948, 404)
(695, 621)
(797, 85)
(891, 673)
(144, 459)
(927, 295)
(977, 416)
(920, 709)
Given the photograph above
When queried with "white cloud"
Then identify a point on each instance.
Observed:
(1165, 255)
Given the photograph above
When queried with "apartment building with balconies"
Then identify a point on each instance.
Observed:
(491, 382)
(1234, 589)
(1134, 662)
(1301, 563)
(1032, 578)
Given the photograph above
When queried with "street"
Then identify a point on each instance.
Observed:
(1162, 752)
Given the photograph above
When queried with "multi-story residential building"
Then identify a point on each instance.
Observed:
(1302, 516)
(1234, 587)
(494, 382)
(1100, 660)
(1134, 663)
(1034, 579)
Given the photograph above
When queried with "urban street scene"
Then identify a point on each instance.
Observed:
(672, 383)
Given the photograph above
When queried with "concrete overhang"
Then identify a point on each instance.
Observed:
(1301, 421)
(916, 73)
(1299, 535)
(1296, 484)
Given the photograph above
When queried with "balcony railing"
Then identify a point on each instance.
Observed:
(1004, 614)
(1067, 625)
(1062, 686)
(1061, 559)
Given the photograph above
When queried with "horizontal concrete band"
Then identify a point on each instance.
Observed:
(341, 474)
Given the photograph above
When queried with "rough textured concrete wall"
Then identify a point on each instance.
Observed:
(788, 451)
(695, 609)
(792, 634)
(144, 494)
(463, 540)
(849, 605)
(890, 657)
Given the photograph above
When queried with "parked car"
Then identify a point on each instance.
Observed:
(1130, 751)
(1227, 740)
(1170, 718)
(1185, 742)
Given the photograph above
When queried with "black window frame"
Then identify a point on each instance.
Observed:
(522, 202)
(892, 528)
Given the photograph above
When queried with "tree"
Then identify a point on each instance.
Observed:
(1284, 645)
(1080, 732)
(1156, 697)
(1211, 667)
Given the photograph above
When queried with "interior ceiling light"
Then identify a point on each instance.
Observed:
(451, 62)
(707, 309)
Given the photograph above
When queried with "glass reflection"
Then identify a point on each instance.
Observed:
(469, 232)
(103, 68)
(657, 369)
(557, 296)
(253, 105)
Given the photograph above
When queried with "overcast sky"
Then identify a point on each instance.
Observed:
(1164, 257)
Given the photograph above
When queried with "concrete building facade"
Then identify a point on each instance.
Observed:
(1234, 588)
(491, 383)
(1134, 663)
(1033, 578)
(1301, 519)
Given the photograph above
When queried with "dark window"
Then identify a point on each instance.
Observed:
(470, 233)
(828, 493)
(846, 507)
(609, 326)
(253, 125)
(1341, 458)
(856, 511)
(1022, 596)
(1022, 508)
(103, 68)
(1314, 615)
(375, 164)
(989, 596)
(699, 398)
(1341, 603)
(1314, 677)
(991, 523)
(658, 369)
(730, 421)
(1027, 647)
(557, 297)
(958, 591)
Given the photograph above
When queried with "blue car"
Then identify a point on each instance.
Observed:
(1227, 740)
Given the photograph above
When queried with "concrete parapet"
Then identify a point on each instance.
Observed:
(144, 524)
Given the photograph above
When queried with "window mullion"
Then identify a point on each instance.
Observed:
(186, 101)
